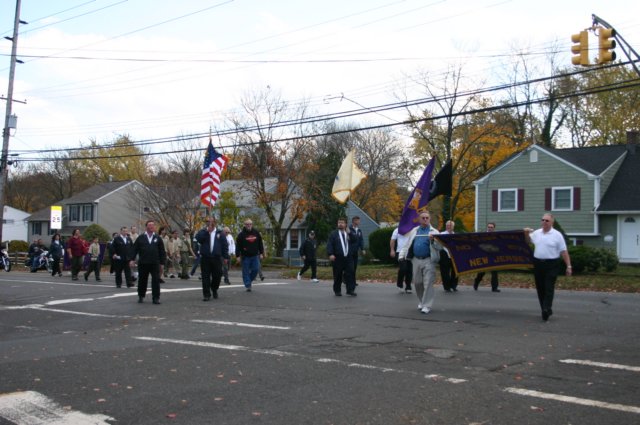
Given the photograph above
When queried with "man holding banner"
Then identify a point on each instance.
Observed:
(424, 253)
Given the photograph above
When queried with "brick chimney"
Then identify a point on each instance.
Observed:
(632, 141)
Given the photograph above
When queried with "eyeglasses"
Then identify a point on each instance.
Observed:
(545, 219)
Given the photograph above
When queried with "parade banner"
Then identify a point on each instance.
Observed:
(486, 251)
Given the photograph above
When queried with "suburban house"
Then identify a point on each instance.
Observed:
(14, 224)
(246, 203)
(593, 192)
(110, 205)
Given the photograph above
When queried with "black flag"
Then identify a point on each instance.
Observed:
(442, 184)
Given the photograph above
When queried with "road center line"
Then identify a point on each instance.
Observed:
(600, 364)
(245, 325)
(574, 400)
(289, 354)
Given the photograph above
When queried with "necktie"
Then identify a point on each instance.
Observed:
(212, 240)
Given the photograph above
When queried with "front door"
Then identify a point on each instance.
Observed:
(630, 239)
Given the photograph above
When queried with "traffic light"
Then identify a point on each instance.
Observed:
(606, 45)
(580, 48)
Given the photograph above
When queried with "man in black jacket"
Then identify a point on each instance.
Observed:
(249, 251)
(308, 255)
(151, 254)
(214, 251)
(338, 245)
(121, 247)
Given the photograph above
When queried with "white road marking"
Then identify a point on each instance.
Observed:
(574, 400)
(245, 325)
(289, 354)
(600, 364)
(33, 408)
(80, 313)
(69, 301)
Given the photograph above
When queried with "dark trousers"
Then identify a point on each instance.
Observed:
(55, 266)
(144, 270)
(494, 279)
(122, 266)
(211, 275)
(405, 273)
(355, 266)
(343, 272)
(309, 263)
(448, 274)
(94, 266)
(545, 273)
(76, 265)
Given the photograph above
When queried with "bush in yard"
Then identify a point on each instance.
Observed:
(379, 244)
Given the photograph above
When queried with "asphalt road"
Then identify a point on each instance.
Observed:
(291, 352)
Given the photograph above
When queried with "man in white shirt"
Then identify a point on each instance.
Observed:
(549, 248)
(405, 272)
(232, 251)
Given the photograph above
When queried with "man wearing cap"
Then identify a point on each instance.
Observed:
(308, 255)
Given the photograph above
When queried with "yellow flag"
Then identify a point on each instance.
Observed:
(348, 178)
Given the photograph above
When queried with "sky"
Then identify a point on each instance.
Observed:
(94, 70)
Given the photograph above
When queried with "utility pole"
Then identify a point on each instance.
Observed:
(4, 172)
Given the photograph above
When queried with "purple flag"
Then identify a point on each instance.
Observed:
(417, 201)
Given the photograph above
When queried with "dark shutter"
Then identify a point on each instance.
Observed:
(520, 199)
(494, 200)
(576, 198)
(547, 199)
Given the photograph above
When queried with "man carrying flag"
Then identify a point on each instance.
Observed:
(417, 201)
(214, 165)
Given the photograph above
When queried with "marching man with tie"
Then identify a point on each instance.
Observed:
(214, 251)
(342, 261)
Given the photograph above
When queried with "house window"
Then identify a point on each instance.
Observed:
(533, 156)
(508, 200)
(74, 212)
(294, 238)
(562, 198)
(36, 228)
(87, 212)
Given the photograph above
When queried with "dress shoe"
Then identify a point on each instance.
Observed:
(161, 280)
(98, 280)
(248, 289)
(475, 285)
(215, 295)
(86, 278)
(352, 294)
(447, 290)
(140, 300)
(545, 315)
(338, 294)
(156, 301)
(454, 289)
(130, 284)
(261, 278)
(495, 290)
(118, 286)
(206, 298)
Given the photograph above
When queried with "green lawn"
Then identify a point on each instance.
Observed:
(625, 279)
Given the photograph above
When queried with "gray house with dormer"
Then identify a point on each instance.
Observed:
(593, 192)
(110, 205)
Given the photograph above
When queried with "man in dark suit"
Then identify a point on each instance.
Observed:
(338, 247)
(121, 247)
(214, 251)
(357, 245)
(151, 254)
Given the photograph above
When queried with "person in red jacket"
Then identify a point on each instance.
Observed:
(76, 251)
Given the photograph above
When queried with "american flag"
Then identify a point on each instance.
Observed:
(214, 165)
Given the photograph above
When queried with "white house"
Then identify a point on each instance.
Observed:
(14, 224)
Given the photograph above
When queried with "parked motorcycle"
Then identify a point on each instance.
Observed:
(5, 261)
(43, 262)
